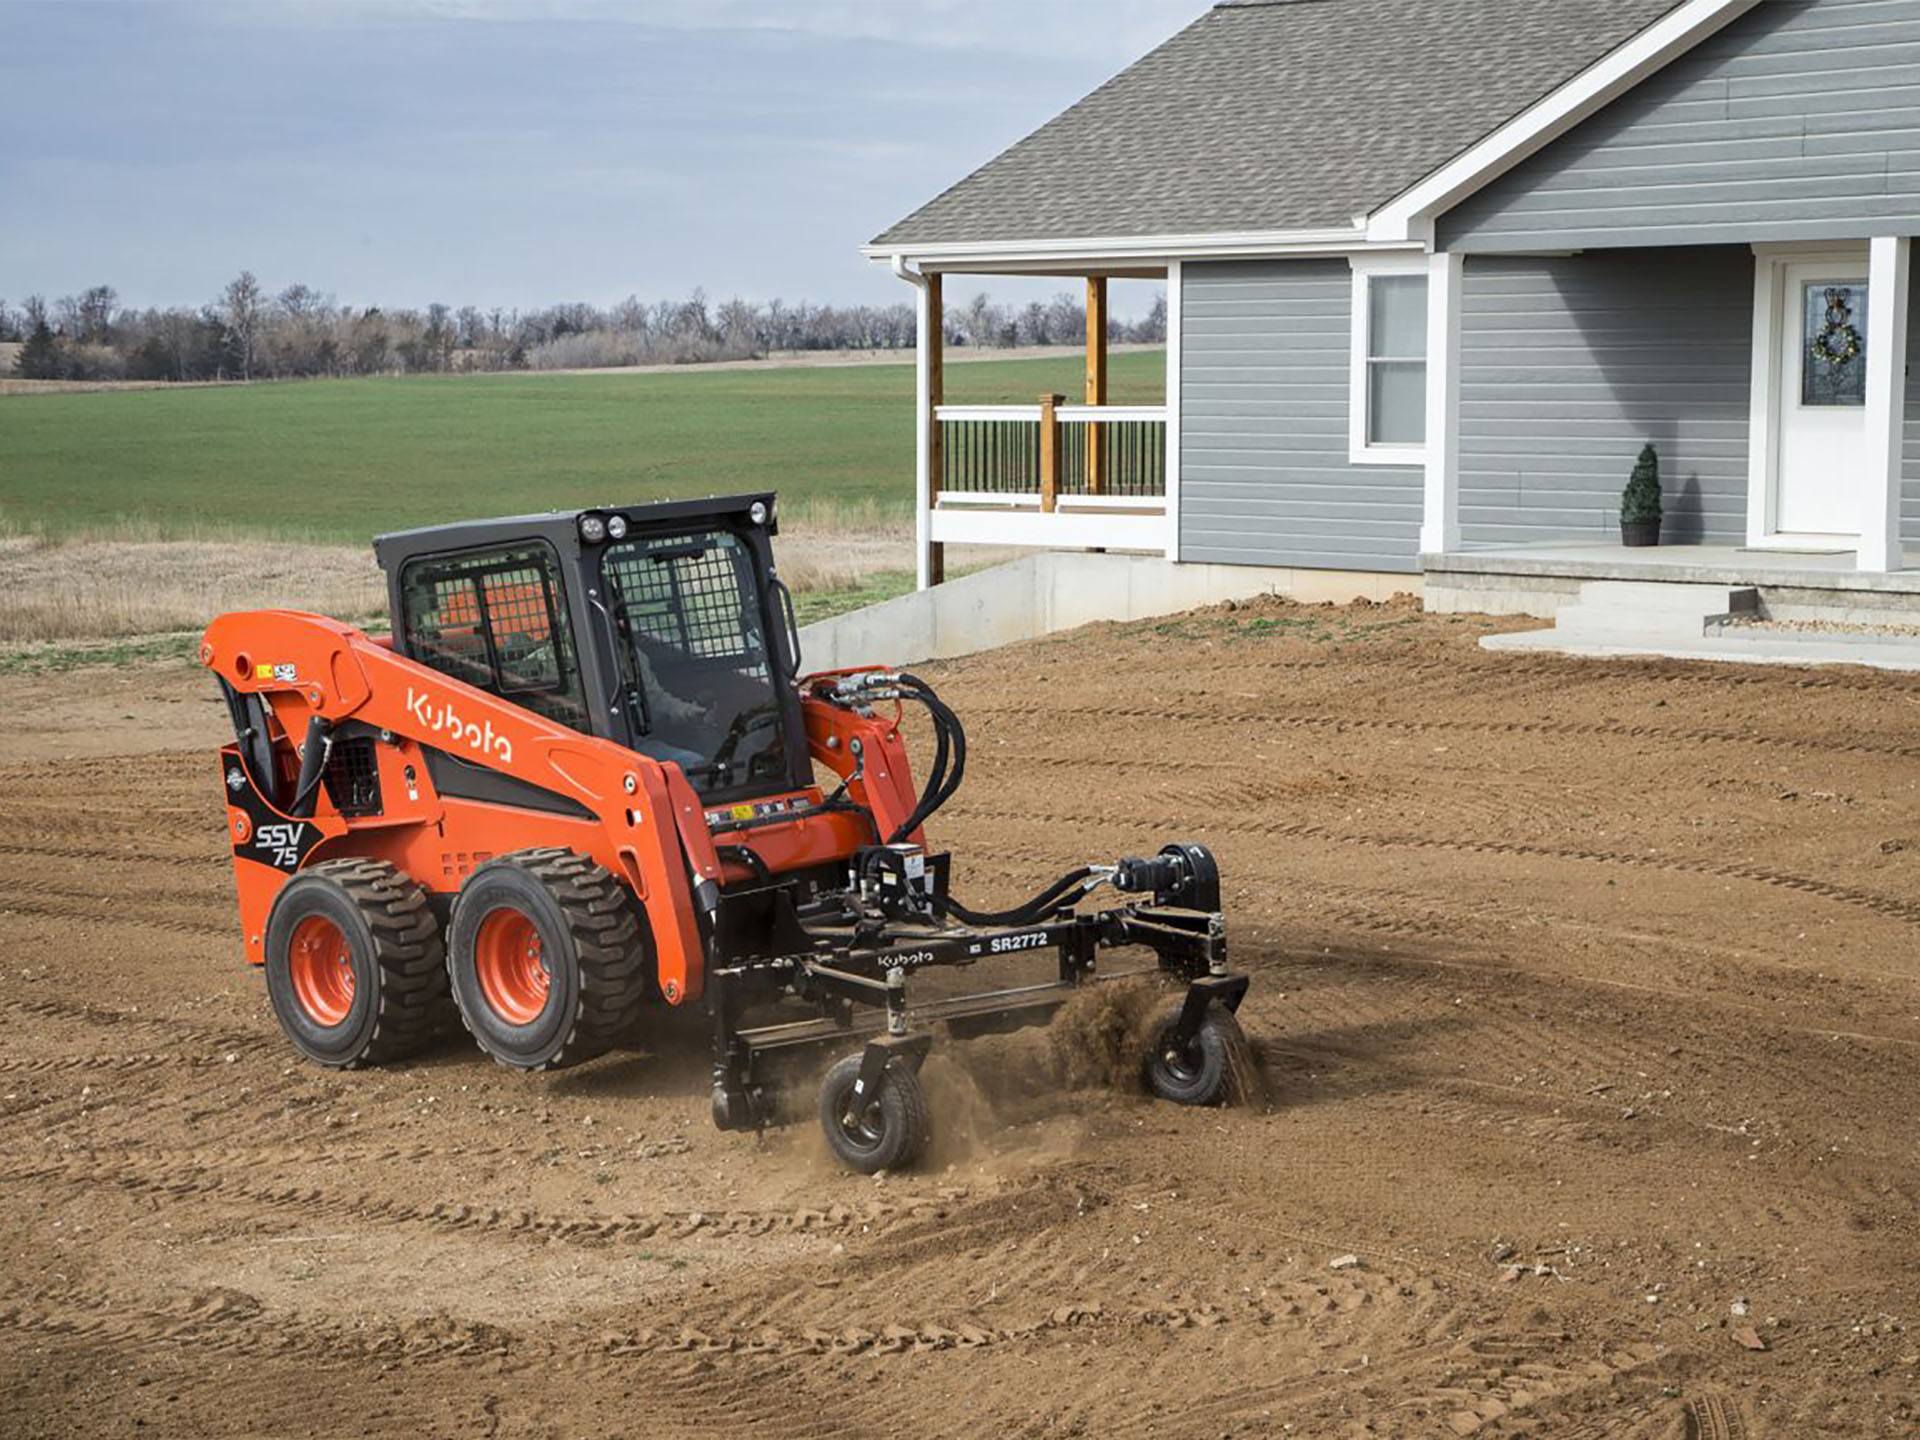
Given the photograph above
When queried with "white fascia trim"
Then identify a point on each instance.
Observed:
(1128, 249)
(1410, 215)
(1360, 450)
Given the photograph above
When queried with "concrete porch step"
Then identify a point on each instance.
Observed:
(1625, 610)
(1701, 622)
(1659, 597)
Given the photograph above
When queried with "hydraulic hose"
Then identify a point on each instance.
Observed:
(949, 756)
(1041, 907)
(943, 781)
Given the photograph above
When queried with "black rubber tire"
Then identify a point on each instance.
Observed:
(1208, 1069)
(896, 1126)
(594, 943)
(396, 951)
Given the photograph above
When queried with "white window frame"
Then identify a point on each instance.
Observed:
(1361, 450)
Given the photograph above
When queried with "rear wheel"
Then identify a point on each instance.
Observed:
(547, 958)
(883, 1131)
(356, 971)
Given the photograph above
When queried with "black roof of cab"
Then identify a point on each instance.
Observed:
(561, 528)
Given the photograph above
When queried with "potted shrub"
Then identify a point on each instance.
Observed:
(1640, 502)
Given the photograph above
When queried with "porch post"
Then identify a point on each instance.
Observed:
(929, 316)
(1440, 525)
(1096, 379)
(1888, 267)
(1170, 479)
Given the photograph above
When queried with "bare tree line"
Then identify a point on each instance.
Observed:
(249, 334)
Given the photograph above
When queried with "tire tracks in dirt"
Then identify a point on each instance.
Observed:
(94, 856)
(1374, 724)
(171, 1179)
(1889, 907)
(80, 1012)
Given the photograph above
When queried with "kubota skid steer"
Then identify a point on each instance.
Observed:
(579, 781)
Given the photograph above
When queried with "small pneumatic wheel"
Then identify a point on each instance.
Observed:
(1206, 1069)
(547, 956)
(887, 1130)
(356, 972)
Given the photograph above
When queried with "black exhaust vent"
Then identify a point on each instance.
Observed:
(353, 777)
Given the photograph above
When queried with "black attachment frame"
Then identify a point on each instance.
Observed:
(856, 974)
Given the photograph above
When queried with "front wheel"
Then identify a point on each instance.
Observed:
(547, 959)
(1204, 1070)
(885, 1130)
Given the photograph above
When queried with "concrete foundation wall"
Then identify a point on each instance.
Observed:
(1041, 594)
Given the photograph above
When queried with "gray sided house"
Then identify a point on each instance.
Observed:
(1438, 269)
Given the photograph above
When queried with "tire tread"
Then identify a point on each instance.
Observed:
(413, 1000)
(605, 926)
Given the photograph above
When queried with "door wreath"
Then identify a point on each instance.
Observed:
(1838, 343)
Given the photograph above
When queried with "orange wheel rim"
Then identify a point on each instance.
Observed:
(511, 968)
(320, 963)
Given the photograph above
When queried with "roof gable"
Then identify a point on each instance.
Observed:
(1277, 115)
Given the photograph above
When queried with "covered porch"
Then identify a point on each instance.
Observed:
(1061, 471)
(1785, 453)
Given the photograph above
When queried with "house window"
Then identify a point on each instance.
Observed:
(1389, 372)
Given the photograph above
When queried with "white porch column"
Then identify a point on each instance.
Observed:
(1888, 266)
(1173, 410)
(925, 318)
(1440, 525)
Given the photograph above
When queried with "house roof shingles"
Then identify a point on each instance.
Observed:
(1278, 115)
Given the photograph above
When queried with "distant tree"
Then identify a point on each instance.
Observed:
(300, 301)
(39, 358)
(370, 341)
(9, 323)
(1066, 320)
(981, 321)
(470, 328)
(95, 314)
(1152, 327)
(242, 307)
(740, 325)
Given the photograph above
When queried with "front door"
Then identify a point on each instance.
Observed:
(1823, 400)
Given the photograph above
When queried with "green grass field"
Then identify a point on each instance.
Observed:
(342, 460)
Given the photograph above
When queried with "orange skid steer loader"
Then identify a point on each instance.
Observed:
(578, 782)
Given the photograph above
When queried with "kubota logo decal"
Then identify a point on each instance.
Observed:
(442, 717)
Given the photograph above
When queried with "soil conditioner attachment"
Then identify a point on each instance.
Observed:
(578, 784)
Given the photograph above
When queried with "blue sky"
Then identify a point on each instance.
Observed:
(515, 154)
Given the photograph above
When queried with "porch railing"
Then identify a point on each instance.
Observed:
(1052, 455)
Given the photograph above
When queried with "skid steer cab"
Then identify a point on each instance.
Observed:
(578, 784)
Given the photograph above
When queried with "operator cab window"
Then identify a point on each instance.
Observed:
(699, 677)
(497, 620)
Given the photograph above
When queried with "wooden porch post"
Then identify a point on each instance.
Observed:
(936, 396)
(1096, 379)
(1049, 453)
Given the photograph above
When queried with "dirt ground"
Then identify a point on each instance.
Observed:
(1585, 992)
